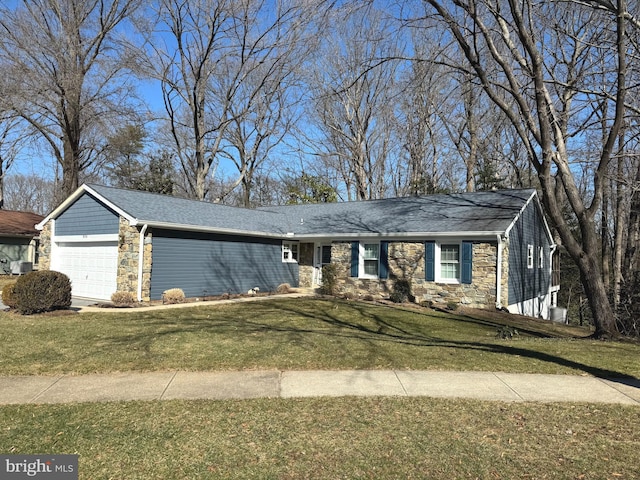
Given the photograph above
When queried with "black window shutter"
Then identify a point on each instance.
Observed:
(467, 262)
(355, 250)
(430, 261)
(384, 260)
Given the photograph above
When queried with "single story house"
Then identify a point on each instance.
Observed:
(485, 249)
(18, 241)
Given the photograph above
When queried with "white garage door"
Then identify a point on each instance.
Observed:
(91, 266)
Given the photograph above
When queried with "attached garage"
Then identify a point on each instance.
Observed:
(109, 240)
(92, 267)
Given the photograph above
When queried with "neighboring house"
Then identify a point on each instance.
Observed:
(18, 241)
(485, 249)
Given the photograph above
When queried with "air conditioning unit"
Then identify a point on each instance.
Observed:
(19, 267)
(558, 315)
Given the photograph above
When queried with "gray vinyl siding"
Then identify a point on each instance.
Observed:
(87, 216)
(14, 249)
(210, 264)
(527, 283)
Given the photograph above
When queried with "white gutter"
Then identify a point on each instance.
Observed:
(499, 273)
(143, 230)
(470, 235)
(206, 229)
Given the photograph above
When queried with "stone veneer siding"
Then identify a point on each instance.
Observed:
(504, 290)
(128, 255)
(44, 250)
(406, 260)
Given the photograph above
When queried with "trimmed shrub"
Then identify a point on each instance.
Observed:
(8, 295)
(453, 306)
(401, 291)
(42, 291)
(173, 295)
(329, 279)
(123, 299)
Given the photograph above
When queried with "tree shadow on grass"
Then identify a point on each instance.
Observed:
(385, 330)
(352, 321)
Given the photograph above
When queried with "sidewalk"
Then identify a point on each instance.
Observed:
(506, 387)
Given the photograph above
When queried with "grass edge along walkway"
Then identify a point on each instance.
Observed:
(179, 385)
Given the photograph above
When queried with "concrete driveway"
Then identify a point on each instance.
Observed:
(76, 302)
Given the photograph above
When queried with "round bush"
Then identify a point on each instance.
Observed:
(123, 299)
(8, 296)
(42, 291)
(173, 295)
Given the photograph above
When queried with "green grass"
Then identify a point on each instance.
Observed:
(293, 334)
(382, 438)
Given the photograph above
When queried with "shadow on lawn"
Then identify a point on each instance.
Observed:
(334, 318)
(387, 331)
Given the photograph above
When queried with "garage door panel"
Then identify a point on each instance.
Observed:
(91, 267)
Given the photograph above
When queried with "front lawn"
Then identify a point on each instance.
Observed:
(294, 334)
(351, 438)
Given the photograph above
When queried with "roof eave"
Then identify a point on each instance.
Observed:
(205, 229)
(445, 234)
(533, 198)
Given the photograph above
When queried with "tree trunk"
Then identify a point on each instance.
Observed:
(594, 286)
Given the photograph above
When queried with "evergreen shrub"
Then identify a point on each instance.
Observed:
(42, 291)
(8, 295)
(329, 279)
(401, 291)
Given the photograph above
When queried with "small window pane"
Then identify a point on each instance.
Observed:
(450, 262)
(370, 255)
(449, 253)
(371, 267)
(371, 251)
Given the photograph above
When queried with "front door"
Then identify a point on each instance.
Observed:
(322, 257)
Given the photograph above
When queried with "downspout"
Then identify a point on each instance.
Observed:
(499, 274)
(143, 230)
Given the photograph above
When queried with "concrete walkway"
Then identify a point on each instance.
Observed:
(506, 387)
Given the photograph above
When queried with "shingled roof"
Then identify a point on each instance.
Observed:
(477, 212)
(18, 224)
(464, 213)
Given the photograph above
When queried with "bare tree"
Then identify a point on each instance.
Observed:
(29, 193)
(353, 103)
(222, 65)
(263, 109)
(10, 144)
(67, 74)
(542, 53)
(418, 119)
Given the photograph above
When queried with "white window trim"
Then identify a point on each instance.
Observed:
(438, 261)
(530, 256)
(361, 270)
(289, 253)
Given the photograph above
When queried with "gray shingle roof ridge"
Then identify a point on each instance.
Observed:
(433, 196)
(164, 196)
